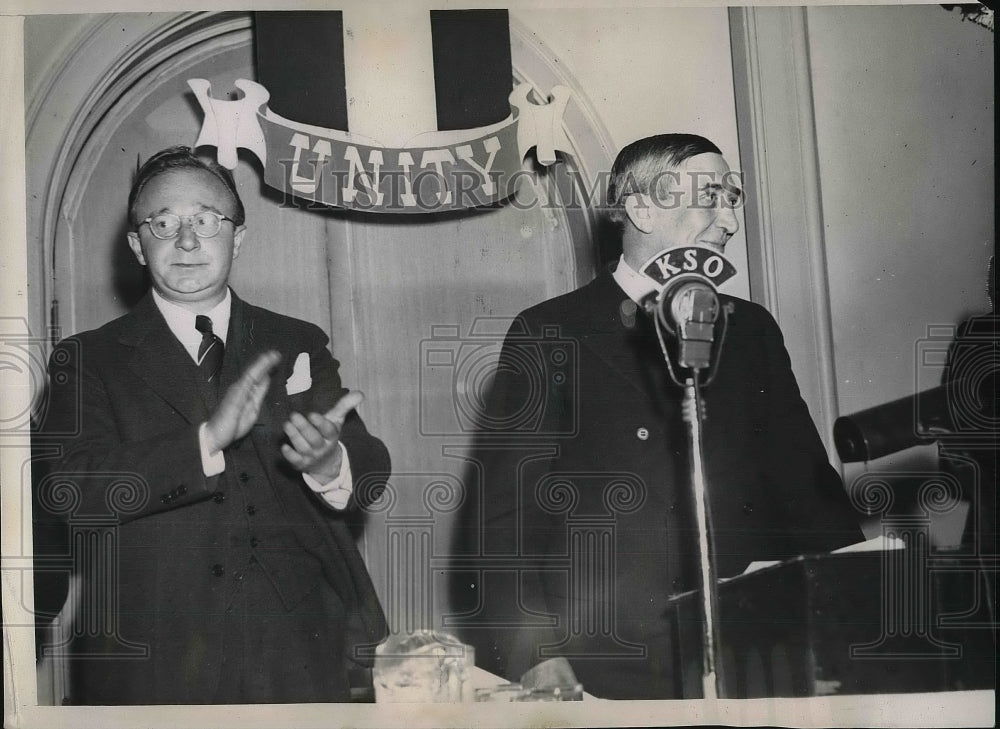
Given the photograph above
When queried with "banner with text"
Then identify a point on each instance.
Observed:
(439, 171)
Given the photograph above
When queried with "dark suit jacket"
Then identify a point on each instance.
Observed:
(587, 520)
(127, 403)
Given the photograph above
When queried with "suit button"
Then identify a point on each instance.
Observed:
(254, 542)
(182, 489)
(748, 507)
(218, 570)
(218, 497)
(251, 510)
(165, 499)
(642, 434)
(244, 477)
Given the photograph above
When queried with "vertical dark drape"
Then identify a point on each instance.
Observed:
(300, 60)
(472, 70)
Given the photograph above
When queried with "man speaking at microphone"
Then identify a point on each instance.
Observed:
(588, 519)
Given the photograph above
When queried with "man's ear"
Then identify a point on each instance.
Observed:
(238, 239)
(136, 246)
(637, 209)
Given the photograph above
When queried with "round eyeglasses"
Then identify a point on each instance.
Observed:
(205, 224)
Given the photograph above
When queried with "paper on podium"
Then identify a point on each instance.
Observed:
(881, 543)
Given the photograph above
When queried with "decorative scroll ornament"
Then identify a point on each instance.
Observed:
(231, 124)
(540, 125)
(450, 170)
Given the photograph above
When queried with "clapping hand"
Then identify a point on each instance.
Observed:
(313, 438)
(240, 406)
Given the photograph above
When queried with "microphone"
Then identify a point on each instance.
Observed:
(688, 309)
(687, 304)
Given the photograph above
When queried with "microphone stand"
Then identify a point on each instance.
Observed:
(692, 412)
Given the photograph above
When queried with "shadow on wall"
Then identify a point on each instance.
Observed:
(129, 279)
(609, 241)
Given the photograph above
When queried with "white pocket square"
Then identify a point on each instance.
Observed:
(301, 379)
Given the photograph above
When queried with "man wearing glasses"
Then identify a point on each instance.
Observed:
(234, 564)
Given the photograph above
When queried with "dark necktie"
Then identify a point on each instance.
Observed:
(210, 351)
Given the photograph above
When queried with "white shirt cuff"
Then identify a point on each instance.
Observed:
(338, 491)
(212, 464)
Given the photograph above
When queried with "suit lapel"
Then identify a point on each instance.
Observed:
(239, 344)
(161, 361)
(248, 337)
(633, 352)
(243, 344)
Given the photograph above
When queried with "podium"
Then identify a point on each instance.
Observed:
(861, 623)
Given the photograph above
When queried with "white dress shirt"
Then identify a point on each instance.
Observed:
(636, 285)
